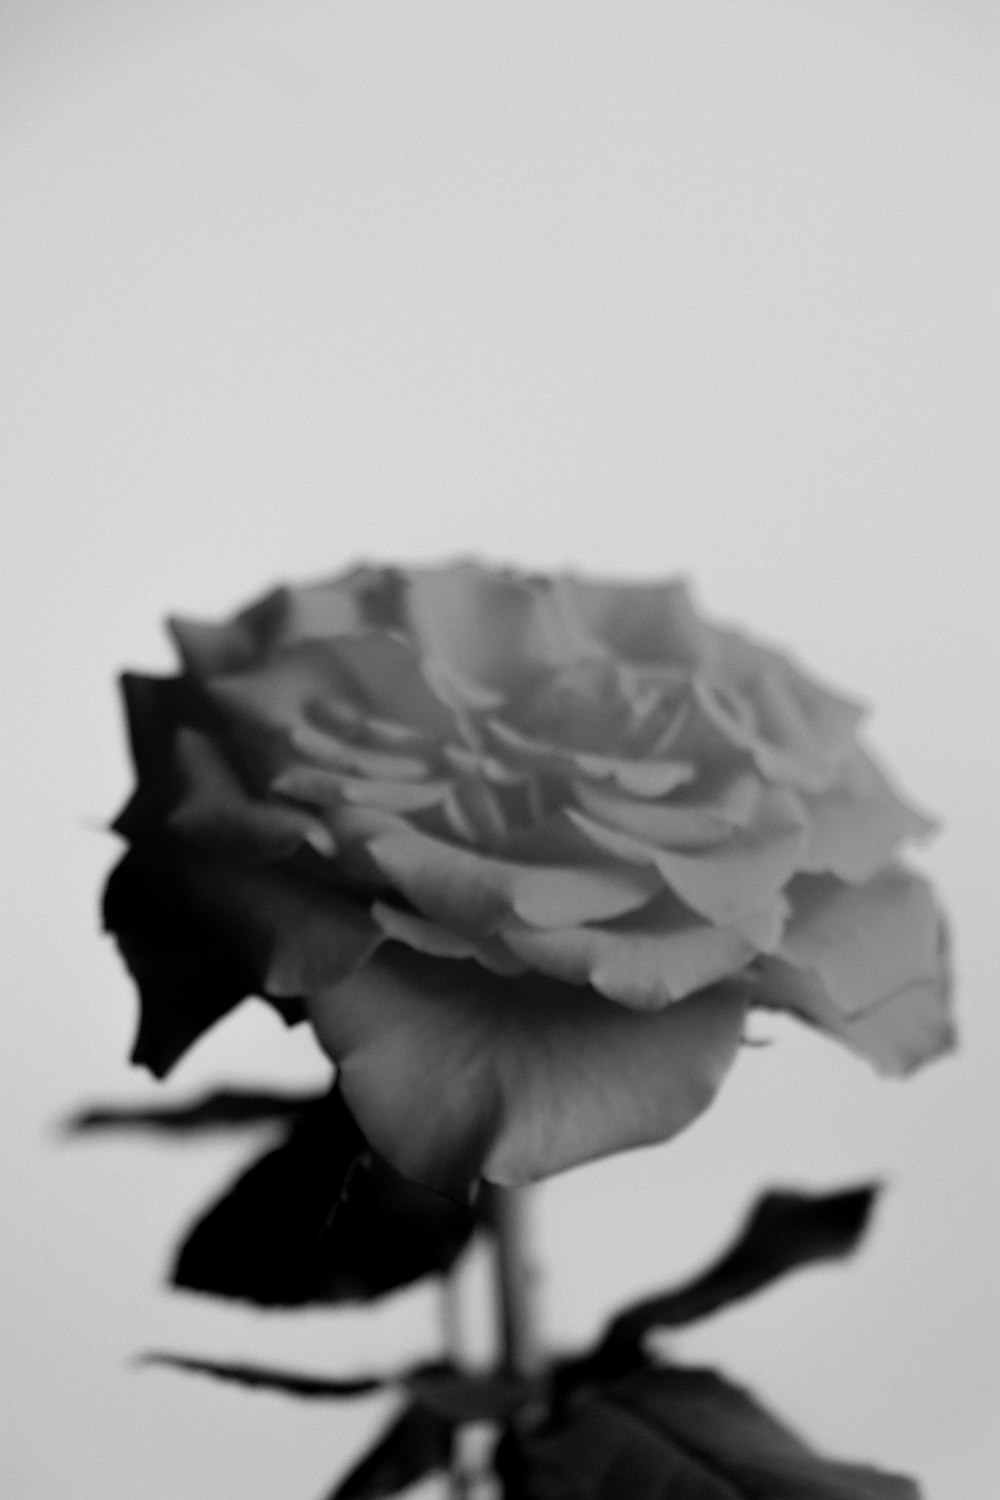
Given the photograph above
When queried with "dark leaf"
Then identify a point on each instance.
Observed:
(225, 1109)
(673, 1434)
(320, 1219)
(784, 1230)
(388, 1232)
(286, 1381)
(416, 1444)
(186, 975)
(491, 1397)
(268, 1239)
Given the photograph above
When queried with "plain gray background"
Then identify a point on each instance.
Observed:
(634, 288)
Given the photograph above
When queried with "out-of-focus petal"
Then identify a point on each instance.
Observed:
(452, 1071)
(275, 697)
(767, 723)
(807, 710)
(585, 707)
(640, 622)
(208, 649)
(869, 964)
(856, 827)
(864, 942)
(390, 679)
(490, 626)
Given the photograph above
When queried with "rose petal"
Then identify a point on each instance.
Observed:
(493, 627)
(156, 707)
(643, 777)
(804, 708)
(296, 934)
(863, 942)
(855, 828)
(868, 964)
(765, 718)
(728, 881)
(209, 649)
(452, 1071)
(588, 706)
(474, 893)
(647, 961)
(441, 942)
(331, 788)
(275, 696)
(389, 675)
(679, 823)
(324, 749)
(639, 622)
(905, 1030)
(312, 612)
(216, 813)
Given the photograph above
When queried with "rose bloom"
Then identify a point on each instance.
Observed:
(523, 849)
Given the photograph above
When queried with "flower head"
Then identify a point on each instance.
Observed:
(523, 849)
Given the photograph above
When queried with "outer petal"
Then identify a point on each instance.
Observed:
(855, 828)
(868, 963)
(452, 1071)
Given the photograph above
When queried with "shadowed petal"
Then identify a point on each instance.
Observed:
(296, 934)
(216, 813)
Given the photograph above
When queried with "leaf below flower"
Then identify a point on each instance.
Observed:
(320, 1220)
(417, 1443)
(678, 1434)
(287, 1382)
(784, 1231)
(224, 1109)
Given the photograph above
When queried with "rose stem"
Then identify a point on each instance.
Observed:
(515, 1277)
(456, 1354)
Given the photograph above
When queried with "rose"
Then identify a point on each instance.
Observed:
(523, 849)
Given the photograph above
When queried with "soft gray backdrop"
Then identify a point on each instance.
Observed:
(638, 288)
